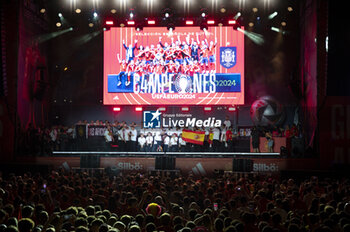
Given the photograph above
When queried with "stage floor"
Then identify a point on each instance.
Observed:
(203, 163)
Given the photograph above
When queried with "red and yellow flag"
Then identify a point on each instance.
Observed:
(196, 137)
(210, 138)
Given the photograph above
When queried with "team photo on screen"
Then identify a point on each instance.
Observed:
(186, 66)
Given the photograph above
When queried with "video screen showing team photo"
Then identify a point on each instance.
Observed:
(186, 66)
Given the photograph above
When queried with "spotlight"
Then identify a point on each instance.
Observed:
(91, 24)
(151, 22)
(131, 15)
(204, 27)
(71, 28)
(237, 15)
(113, 11)
(139, 28)
(78, 11)
(223, 10)
(60, 15)
(290, 9)
(138, 108)
(207, 108)
(167, 12)
(42, 10)
(189, 22)
(204, 12)
(275, 29)
(109, 23)
(58, 24)
(131, 22)
(95, 14)
(251, 24)
(283, 24)
(255, 9)
(274, 14)
(171, 27)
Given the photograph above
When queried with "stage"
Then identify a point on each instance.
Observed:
(185, 162)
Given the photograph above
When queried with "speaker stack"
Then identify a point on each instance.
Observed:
(242, 165)
(89, 161)
(165, 163)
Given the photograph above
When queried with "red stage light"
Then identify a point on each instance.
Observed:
(151, 22)
(116, 109)
(189, 22)
(185, 109)
(231, 22)
(109, 22)
(211, 22)
(207, 108)
(131, 22)
(138, 108)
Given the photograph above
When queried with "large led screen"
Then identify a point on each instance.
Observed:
(186, 66)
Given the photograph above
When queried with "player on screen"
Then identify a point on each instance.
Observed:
(158, 54)
(204, 57)
(211, 53)
(195, 49)
(122, 73)
(130, 51)
(130, 72)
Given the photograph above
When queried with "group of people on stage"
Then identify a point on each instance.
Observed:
(128, 138)
(187, 57)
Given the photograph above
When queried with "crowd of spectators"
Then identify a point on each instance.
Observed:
(136, 202)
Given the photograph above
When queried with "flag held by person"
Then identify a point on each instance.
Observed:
(196, 137)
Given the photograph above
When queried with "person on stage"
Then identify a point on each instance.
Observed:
(133, 138)
(157, 143)
(149, 142)
(182, 144)
(173, 143)
(109, 138)
(142, 143)
(255, 139)
(166, 143)
(270, 142)
(123, 137)
(216, 139)
(229, 139)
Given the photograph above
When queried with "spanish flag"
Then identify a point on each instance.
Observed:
(210, 138)
(196, 137)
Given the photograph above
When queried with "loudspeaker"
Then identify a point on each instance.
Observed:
(242, 165)
(165, 163)
(89, 161)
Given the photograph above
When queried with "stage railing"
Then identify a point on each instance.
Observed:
(175, 154)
